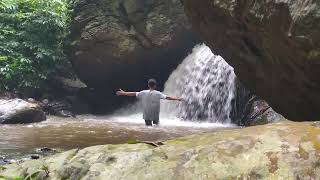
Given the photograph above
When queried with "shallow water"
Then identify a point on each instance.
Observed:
(84, 131)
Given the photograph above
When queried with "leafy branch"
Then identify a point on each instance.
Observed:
(32, 34)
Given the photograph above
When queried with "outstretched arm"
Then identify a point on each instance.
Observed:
(174, 98)
(120, 92)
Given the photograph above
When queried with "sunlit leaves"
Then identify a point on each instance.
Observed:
(31, 41)
(8, 4)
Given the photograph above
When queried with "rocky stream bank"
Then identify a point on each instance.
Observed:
(283, 150)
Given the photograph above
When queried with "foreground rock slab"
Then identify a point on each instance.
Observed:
(274, 47)
(284, 150)
(17, 111)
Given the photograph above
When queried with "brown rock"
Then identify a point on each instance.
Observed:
(274, 47)
(121, 43)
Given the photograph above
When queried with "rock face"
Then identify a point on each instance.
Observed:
(17, 111)
(274, 47)
(122, 43)
(283, 150)
(259, 113)
(250, 110)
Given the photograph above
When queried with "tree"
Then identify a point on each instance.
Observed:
(32, 34)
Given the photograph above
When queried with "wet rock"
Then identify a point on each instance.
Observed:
(59, 108)
(249, 110)
(273, 46)
(258, 112)
(16, 111)
(31, 100)
(67, 106)
(45, 101)
(284, 150)
(263, 116)
(316, 124)
(18, 158)
(45, 150)
(64, 113)
(3, 160)
(34, 156)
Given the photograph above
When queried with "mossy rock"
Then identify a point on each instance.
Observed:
(284, 150)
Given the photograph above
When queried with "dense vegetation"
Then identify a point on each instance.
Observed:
(32, 34)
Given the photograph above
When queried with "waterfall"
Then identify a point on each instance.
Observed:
(207, 84)
(213, 97)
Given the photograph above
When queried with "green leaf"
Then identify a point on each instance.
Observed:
(32, 176)
(3, 58)
(8, 76)
(32, 35)
(16, 178)
(130, 141)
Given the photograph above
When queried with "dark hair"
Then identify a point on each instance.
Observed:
(152, 83)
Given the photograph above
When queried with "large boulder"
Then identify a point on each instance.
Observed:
(250, 110)
(122, 43)
(274, 47)
(17, 111)
(283, 150)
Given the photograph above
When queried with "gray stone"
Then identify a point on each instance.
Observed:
(16, 111)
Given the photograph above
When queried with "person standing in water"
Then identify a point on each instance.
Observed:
(150, 101)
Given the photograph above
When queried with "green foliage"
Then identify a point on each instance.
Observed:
(131, 141)
(32, 33)
(17, 178)
(31, 176)
(46, 170)
(8, 178)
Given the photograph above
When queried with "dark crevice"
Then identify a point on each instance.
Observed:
(124, 14)
(252, 47)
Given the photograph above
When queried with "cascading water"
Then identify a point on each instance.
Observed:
(207, 84)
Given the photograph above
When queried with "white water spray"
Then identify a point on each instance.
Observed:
(207, 84)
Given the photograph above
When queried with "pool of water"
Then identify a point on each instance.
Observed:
(89, 130)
